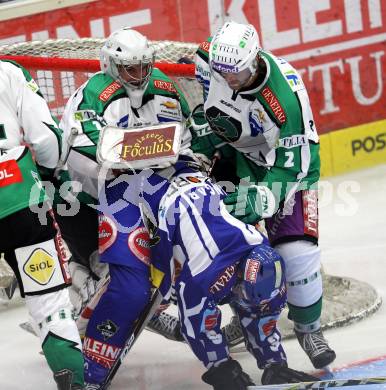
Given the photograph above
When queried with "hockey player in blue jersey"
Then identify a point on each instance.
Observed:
(177, 216)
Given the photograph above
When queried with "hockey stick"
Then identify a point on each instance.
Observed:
(323, 384)
(139, 326)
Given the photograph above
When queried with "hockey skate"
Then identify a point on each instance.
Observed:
(166, 325)
(92, 386)
(316, 347)
(63, 379)
(233, 333)
(278, 373)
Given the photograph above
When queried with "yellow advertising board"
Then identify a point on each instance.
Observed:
(353, 148)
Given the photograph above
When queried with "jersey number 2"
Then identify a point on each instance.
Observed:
(289, 163)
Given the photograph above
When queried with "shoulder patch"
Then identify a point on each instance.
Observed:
(273, 102)
(205, 46)
(109, 91)
(165, 85)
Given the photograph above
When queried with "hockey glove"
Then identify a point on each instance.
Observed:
(227, 376)
(250, 204)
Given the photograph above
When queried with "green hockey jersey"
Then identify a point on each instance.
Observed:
(270, 127)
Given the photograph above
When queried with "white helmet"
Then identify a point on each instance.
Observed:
(234, 48)
(124, 49)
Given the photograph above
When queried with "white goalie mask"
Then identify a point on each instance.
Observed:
(233, 51)
(127, 57)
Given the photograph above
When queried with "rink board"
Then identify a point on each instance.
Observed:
(353, 148)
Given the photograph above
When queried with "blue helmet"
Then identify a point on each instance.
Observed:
(261, 281)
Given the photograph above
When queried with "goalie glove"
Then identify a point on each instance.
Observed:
(278, 373)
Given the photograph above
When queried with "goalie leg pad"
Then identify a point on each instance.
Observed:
(41, 268)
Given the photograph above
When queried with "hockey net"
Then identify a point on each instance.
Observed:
(61, 66)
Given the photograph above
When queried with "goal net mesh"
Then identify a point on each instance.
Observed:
(61, 66)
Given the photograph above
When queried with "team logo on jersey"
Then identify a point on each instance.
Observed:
(274, 104)
(33, 86)
(255, 125)
(205, 46)
(268, 327)
(225, 126)
(292, 78)
(165, 85)
(193, 179)
(210, 319)
(109, 91)
(84, 115)
(107, 233)
(40, 266)
(108, 329)
(9, 173)
(169, 104)
(252, 268)
(123, 122)
(139, 244)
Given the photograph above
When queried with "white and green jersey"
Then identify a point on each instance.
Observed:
(25, 119)
(103, 101)
(271, 126)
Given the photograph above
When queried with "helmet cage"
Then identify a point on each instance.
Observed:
(126, 48)
(132, 73)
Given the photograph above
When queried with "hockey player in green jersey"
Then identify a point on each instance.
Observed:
(122, 96)
(261, 131)
(29, 238)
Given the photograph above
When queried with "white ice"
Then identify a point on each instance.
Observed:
(353, 242)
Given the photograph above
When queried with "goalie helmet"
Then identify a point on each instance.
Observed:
(261, 285)
(127, 56)
(234, 49)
